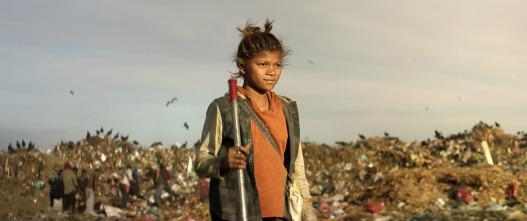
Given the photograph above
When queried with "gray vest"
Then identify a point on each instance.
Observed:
(223, 193)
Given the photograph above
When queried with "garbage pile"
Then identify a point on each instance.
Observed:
(383, 178)
(477, 173)
(25, 190)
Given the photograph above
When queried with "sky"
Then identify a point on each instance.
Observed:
(403, 67)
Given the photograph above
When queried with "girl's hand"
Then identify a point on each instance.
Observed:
(235, 160)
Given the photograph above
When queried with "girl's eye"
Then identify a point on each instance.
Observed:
(262, 64)
(278, 65)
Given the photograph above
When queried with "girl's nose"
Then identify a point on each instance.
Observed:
(271, 71)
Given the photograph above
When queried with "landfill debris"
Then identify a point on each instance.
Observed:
(374, 178)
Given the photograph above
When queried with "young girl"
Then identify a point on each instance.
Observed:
(267, 159)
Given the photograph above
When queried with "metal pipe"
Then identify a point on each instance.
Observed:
(233, 93)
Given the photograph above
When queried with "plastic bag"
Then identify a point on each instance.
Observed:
(295, 201)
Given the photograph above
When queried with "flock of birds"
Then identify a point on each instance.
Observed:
(437, 134)
(169, 102)
(21, 145)
(100, 132)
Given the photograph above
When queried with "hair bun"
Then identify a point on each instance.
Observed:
(251, 28)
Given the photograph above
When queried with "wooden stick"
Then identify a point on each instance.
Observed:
(486, 151)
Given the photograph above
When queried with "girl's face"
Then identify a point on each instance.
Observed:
(261, 73)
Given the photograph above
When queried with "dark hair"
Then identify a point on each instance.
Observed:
(254, 42)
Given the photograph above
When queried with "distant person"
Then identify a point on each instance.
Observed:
(69, 181)
(91, 186)
(267, 155)
(162, 180)
(124, 186)
(83, 181)
(55, 191)
(76, 171)
(137, 181)
(202, 189)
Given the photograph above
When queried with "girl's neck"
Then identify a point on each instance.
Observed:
(260, 98)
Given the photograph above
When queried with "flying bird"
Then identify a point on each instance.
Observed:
(185, 125)
(171, 101)
(71, 92)
(311, 61)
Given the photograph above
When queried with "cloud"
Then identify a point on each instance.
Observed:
(124, 58)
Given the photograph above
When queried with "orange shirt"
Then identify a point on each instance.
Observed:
(269, 170)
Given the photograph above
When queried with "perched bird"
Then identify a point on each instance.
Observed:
(71, 92)
(185, 125)
(135, 142)
(109, 133)
(30, 146)
(362, 137)
(123, 138)
(497, 124)
(10, 148)
(155, 144)
(438, 135)
(197, 143)
(116, 136)
(102, 130)
(18, 145)
(341, 143)
(184, 145)
(386, 134)
(171, 101)
(23, 144)
(88, 135)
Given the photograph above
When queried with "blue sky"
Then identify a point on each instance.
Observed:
(404, 67)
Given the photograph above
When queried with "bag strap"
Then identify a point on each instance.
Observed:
(260, 125)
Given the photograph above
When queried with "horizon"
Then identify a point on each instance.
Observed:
(191, 145)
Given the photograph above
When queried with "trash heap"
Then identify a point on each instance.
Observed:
(375, 178)
(26, 172)
(448, 178)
